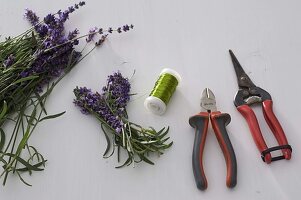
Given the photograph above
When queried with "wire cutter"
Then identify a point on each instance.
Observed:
(249, 94)
(219, 122)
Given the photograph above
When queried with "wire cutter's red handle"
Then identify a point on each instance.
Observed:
(274, 125)
(219, 122)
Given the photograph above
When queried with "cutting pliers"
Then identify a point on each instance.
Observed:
(248, 94)
(219, 122)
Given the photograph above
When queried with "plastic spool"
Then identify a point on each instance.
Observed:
(155, 104)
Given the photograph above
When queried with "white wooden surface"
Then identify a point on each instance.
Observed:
(192, 37)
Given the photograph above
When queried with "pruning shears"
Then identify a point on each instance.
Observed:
(249, 94)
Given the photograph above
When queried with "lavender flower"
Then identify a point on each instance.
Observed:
(92, 33)
(81, 97)
(126, 28)
(110, 104)
(31, 17)
(9, 61)
(52, 63)
(63, 16)
(90, 102)
(119, 89)
(58, 47)
(42, 30)
(101, 40)
(49, 19)
(71, 9)
(73, 34)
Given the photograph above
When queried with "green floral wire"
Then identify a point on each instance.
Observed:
(164, 87)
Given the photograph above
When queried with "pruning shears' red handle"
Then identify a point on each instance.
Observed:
(274, 125)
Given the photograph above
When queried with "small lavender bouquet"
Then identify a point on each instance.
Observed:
(31, 65)
(109, 108)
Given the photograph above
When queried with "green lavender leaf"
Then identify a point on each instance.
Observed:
(24, 79)
(127, 162)
(23, 162)
(4, 110)
(25, 169)
(38, 96)
(107, 139)
(23, 179)
(2, 139)
(145, 159)
(27, 132)
(52, 116)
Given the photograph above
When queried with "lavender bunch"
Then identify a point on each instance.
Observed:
(109, 107)
(31, 65)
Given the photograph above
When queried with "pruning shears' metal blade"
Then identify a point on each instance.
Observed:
(208, 102)
(243, 79)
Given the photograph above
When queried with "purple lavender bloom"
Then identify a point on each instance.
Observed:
(9, 61)
(92, 33)
(110, 105)
(64, 16)
(81, 3)
(119, 88)
(52, 63)
(81, 94)
(71, 9)
(31, 17)
(49, 19)
(119, 30)
(42, 30)
(126, 28)
(73, 34)
(89, 102)
(101, 40)
(23, 74)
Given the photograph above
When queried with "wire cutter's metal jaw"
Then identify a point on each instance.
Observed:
(208, 102)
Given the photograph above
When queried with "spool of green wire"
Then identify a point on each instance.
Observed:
(162, 92)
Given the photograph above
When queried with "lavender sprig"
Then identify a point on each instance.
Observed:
(109, 107)
(31, 65)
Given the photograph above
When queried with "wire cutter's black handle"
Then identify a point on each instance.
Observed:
(200, 124)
